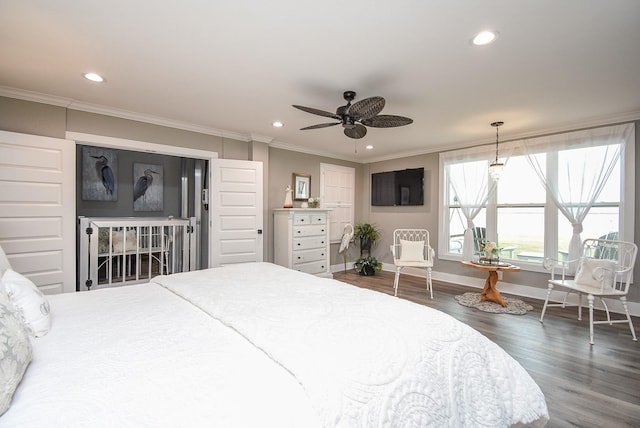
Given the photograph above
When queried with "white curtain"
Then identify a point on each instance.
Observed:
(472, 188)
(581, 175)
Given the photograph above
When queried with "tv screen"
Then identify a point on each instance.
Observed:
(403, 187)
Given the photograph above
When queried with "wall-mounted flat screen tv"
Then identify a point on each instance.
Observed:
(392, 188)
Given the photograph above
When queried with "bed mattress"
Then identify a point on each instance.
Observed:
(140, 356)
(259, 345)
(366, 359)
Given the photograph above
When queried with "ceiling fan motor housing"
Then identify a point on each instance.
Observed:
(349, 96)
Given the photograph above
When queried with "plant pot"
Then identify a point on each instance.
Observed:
(368, 270)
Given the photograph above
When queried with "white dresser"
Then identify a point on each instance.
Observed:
(301, 239)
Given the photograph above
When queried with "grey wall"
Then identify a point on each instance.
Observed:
(41, 119)
(390, 218)
(282, 165)
(123, 207)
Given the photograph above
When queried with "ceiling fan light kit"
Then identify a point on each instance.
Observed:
(355, 118)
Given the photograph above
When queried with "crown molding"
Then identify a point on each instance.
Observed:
(161, 121)
(568, 127)
(119, 113)
(306, 150)
(37, 97)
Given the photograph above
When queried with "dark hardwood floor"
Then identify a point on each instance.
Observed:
(584, 385)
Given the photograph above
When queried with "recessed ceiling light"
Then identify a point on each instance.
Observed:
(94, 77)
(278, 124)
(368, 147)
(484, 38)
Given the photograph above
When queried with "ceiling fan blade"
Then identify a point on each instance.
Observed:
(367, 108)
(358, 131)
(387, 121)
(318, 112)
(320, 125)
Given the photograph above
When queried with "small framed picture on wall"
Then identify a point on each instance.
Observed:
(99, 174)
(147, 187)
(301, 186)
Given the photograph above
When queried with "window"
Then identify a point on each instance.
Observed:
(554, 191)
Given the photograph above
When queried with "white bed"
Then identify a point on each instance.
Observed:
(260, 345)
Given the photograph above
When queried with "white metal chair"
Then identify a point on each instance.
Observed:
(411, 248)
(479, 237)
(605, 269)
(160, 253)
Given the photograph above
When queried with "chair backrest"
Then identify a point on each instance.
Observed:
(607, 263)
(411, 235)
(479, 236)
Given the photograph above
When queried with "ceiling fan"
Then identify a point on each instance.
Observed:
(354, 118)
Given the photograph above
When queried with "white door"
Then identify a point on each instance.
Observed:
(37, 218)
(337, 192)
(235, 201)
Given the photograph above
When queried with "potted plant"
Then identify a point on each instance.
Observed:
(367, 266)
(367, 234)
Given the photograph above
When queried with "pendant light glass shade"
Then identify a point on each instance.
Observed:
(496, 168)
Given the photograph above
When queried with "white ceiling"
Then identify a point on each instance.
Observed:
(231, 68)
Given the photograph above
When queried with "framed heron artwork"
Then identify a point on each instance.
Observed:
(147, 187)
(99, 174)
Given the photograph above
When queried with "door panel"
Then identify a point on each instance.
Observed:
(37, 208)
(236, 212)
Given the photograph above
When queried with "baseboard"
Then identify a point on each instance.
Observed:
(507, 287)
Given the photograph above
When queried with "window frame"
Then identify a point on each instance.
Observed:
(547, 144)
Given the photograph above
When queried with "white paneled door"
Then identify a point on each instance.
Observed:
(337, 193)
(37, 208)
(236, 200)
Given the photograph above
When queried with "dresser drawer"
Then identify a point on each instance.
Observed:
(320, 218)
(313, 230)
(305, 256)
(313, 267)
(310, 242)
(301, 219)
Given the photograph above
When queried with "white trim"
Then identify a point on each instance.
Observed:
(569, 127)
(551, 144)
(309, 151)
(72, 104)
(505, 287)
(140, 146)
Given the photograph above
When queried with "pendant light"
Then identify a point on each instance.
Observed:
(495, 169)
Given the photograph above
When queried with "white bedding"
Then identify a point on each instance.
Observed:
(140, 356)
(366, 359)
(258, 345)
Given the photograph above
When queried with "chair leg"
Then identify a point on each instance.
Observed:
(544, 308)
(623, 299)
(395, 281)
(591, 299)
(579, 307)
(429, 282)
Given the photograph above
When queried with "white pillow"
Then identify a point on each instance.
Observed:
(16, 357)
(595, 272)
(118, 238)
(29, 301)
(411, 251)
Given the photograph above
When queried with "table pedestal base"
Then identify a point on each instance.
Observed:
(490, 291)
